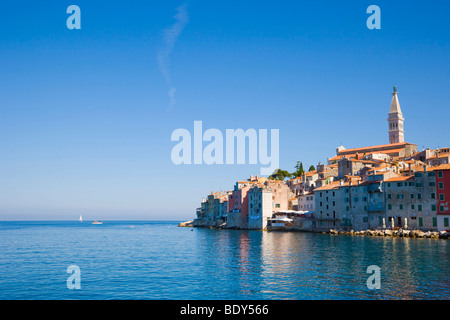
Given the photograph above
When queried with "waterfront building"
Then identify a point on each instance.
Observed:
(329, 206)
(414, 198)
(215, 208)
(443, 190)
(259, 206)
(238, 205)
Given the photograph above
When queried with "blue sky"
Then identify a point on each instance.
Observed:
(84, 120)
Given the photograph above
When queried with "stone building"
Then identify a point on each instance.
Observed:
(413, 198)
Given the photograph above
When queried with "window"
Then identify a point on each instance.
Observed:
(412, 195)
(441, 185)
(277, 205)
(418, 175)
(420, 222)
(440, 174)
(419, 196)
(418, 185)
(389, 196)
(445, 222)
(441, 208)
(432, 184)
(399, 184)
(431, 174)
(365, 219)
(399, 196)
(433, 195)
(389, 206)
(412, 207)
(433, 207)
(441, 197)
(389, 184)
(400, 206)
(333, 194)
(411, 184)
(419, 207)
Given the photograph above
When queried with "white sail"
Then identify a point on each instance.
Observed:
(81, 218)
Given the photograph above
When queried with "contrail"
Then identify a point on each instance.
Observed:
(170, 36)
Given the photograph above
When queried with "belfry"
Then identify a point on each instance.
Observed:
(396, 132)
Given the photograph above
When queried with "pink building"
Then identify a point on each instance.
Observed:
(238, 205)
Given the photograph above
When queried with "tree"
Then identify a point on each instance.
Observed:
(280, 175)
(311, 168)
(299, 170)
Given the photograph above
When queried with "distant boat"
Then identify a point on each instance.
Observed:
(97, 222)
(81, 218)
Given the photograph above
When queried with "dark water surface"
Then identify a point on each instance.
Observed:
(158, 260)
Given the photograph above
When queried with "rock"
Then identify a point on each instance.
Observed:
(405, 233)
(443, 235)
(388, 232)
(186, 224)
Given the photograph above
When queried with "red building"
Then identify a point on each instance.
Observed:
(443, 195)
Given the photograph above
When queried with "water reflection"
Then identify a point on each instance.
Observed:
(278, 265)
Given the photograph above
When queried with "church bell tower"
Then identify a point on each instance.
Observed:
(396, 132)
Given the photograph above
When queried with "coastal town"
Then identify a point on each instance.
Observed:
(377, 190)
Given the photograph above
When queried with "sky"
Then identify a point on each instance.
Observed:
(86, 115)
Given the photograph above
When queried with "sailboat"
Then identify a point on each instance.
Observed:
(81, 218)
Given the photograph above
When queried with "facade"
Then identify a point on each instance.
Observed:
(238, 205)
(259, 207)
(414, 198)
(306, 202)
(443, 190)
(215, 208)
(329, 206)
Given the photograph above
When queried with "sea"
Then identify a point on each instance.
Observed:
(157, 260)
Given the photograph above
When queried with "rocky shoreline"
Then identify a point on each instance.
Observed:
(401, 233)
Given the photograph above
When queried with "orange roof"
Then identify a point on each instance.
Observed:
(333, 185)
(440, 167)
(354, 150)
(400, 178)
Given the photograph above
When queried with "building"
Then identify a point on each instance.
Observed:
(238, 205)
(395, 120)
(215, 208)
(306, 202)
(412, 198)
(259, 206)
(443, 190)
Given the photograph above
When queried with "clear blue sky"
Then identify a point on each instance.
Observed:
(84, 123)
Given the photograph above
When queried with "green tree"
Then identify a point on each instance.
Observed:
(280, 175)
(311, 168)
(299, 170)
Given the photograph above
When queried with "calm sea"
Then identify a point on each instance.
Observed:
(158, 260)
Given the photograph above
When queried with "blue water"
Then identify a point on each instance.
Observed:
(158, 260)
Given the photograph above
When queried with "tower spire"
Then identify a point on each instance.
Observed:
(395, 120)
